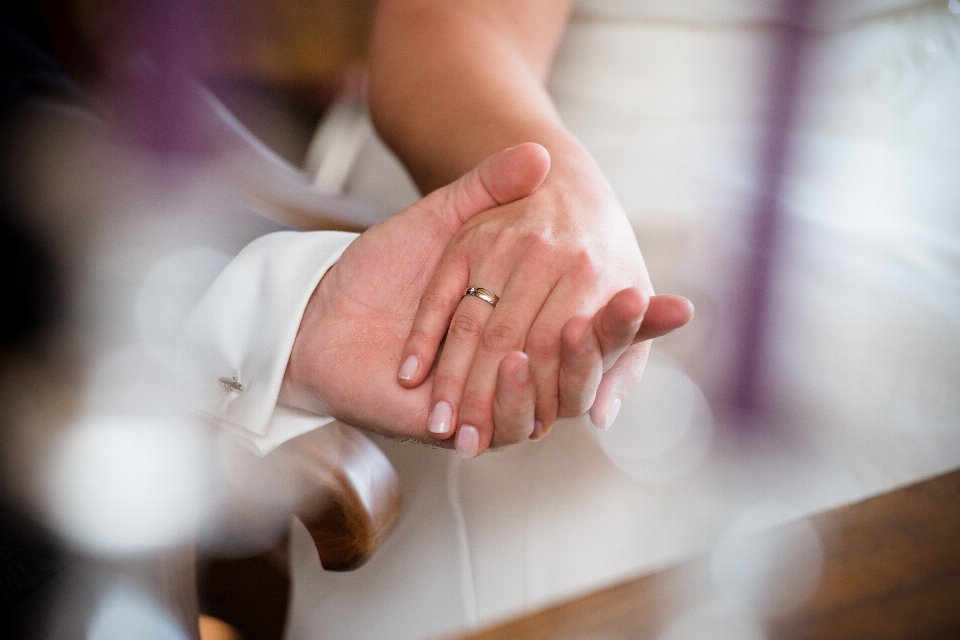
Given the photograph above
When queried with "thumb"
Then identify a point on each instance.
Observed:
(502, 178)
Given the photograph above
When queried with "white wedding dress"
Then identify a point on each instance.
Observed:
(862, 369)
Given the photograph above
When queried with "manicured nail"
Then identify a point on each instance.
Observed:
(537, 431)
(612, 412)
(409, 368)
(440, 418)
(468, 441)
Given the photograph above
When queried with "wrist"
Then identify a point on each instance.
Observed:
(302, 386)
(575, 184)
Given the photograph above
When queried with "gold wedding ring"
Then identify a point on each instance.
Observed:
(483, 294)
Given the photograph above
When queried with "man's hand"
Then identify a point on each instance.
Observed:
(347, 351)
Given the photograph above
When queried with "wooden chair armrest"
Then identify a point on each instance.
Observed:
(350, 493)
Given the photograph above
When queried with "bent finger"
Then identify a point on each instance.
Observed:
(664, 313)
(581, 367)
(617, 323)
(514, 402)
(617, 383)
(544, 347)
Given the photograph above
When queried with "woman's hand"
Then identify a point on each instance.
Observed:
(452, 81)
(554, 258)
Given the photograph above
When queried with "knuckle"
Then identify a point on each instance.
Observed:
(589, 265)
(466, 327)
(577, 363)
(586, 267)
(501, 336)
(506, 236)
(544, 246)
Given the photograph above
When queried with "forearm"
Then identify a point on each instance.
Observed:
(453, 82)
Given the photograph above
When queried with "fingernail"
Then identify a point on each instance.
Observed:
(468, 441)
(612, 412)
(409, 368)
(537, 431)
(440, 418)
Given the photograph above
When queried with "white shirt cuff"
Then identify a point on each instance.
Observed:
(233, 350)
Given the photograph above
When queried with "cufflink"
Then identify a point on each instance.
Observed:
(231, 384)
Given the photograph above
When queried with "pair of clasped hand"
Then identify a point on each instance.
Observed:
(389, 342)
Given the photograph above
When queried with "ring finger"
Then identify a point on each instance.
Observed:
(454, 362)
(505, 332)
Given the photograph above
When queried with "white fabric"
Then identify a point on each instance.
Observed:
(244, 327)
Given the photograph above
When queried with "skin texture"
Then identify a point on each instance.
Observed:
(348, 348)
(452, 81)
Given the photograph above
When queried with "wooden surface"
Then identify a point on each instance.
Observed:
(351, 497)
(891, 570)
(251, 594)
(347, 495)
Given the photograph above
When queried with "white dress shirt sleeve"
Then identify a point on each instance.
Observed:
(233, 349)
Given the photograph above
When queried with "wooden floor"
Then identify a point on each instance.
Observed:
(891, 569)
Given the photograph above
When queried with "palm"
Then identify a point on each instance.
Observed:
(369, 299)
